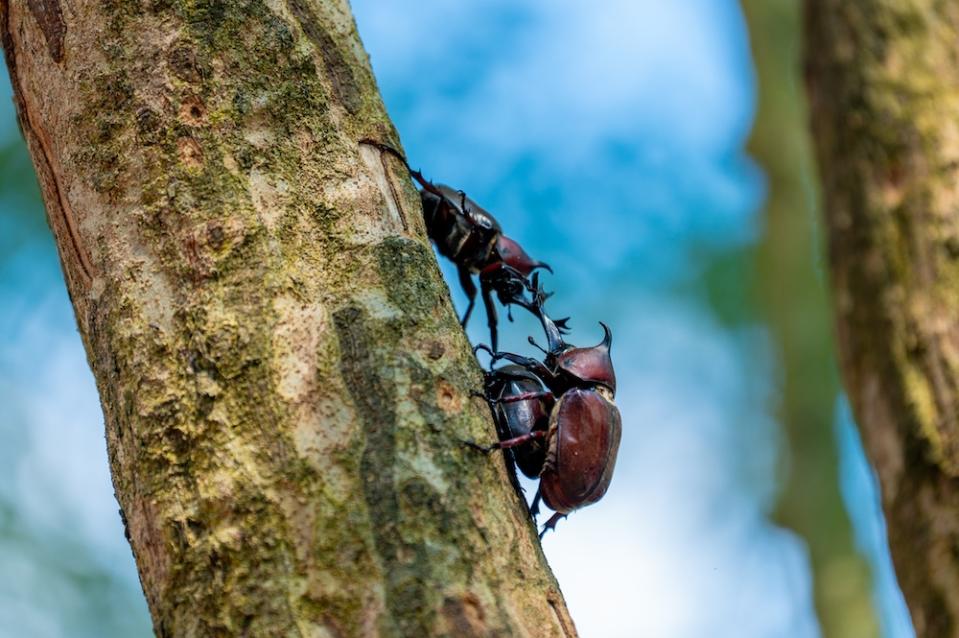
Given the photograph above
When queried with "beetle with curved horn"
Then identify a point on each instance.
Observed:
(557, 419)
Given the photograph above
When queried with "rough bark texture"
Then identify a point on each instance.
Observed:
(797, 311)
(283, 379)
(884, 87)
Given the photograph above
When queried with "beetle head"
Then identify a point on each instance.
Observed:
(515, 257)
(590, 365)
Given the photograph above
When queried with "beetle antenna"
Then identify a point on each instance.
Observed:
(533, 343)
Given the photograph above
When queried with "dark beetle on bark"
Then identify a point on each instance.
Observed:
(555, 418)
(469, 236)
(573, 450)
(520, 406)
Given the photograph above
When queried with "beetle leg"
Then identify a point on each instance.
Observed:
(508, 443)
(508, 283)
(551, 523)
(490, 311)
(485, 348)
(517, 441)
(536, 367)
(523, 397)
(466, 281)
(526, 362)
(534, 508)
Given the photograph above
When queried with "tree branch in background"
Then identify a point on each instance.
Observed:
(884, 91)
(796, 307)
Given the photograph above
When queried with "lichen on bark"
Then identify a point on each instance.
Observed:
(884, 89)
(284, 382)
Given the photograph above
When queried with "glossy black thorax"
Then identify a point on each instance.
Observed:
(463, 232)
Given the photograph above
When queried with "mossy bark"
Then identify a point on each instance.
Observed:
(884, 90)
(796, 308)
(284, 381)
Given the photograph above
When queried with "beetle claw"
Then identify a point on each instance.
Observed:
(534, 508)
(476, 446)
(551, 523)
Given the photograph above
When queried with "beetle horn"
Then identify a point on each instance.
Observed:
(554, 335)
(563, 325)
(553, 330)
(608, 338)
(544, 266)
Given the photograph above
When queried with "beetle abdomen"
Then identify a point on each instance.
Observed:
(586, 429)
(516, 418)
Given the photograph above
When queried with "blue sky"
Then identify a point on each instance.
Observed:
(608, 138)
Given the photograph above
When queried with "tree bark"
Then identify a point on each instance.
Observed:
(284, 382)
(796, 308)
(884, 87)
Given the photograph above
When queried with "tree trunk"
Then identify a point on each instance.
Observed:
(284, 382)
(884, 87)
(797, 311)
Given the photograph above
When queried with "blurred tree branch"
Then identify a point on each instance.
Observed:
(884, 91)
(797, 309)
(283, 379)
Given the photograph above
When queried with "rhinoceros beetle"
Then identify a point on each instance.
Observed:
(574, 452)
(469, 236)
(520, 407)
